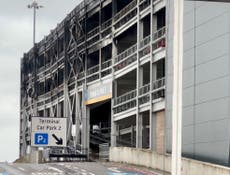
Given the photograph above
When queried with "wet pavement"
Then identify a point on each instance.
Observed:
(76, 168)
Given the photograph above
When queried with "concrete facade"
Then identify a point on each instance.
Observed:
(206, 68)
(162, 162)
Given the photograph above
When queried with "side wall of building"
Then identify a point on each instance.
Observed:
(206, 67)
(161, 162)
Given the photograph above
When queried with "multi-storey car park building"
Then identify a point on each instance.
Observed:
(104, 66)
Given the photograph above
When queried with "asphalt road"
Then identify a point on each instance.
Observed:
(77, 168)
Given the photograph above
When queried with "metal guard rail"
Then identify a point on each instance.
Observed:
(144, 89)
(94, 40)
(125, 106)
(81, 75)
(125, 97)
(145, 41)
(126, 53)
(80, 82)
(106, 64)
(144, 4)
(93, 32)
(159, 44)
(92, 77)
(80, 40)
(93, 70)
(125, 10)
(159, 33)
(158, 85)
(106, 24)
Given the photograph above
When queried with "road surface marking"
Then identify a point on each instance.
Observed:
(83, 173)
(114, 169)
(55, 169)
(91, 173)
(20, 168)
(46, 173)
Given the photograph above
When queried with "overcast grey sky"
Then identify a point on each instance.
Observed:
(15, 39)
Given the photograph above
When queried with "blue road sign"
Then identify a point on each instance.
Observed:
(41, 138)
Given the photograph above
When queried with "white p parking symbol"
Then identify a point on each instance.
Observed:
(41, 139)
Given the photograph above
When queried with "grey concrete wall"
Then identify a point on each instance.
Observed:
(35, 156)
(163, 162)
(206, 85)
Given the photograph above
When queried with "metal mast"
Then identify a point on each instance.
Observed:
(35, 7)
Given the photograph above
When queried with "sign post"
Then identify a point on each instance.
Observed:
(48, 132)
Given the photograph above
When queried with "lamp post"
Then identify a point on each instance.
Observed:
(35, 7)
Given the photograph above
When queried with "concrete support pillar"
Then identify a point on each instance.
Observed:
(114, 48)
(138, 85)
(100, 61)
(139, 126)
(141, 76)
(152, 131)
(154, 23)
(132, 136)
(145, 132)
(114, 53)
(113, 134)
(59, 110)
(68, 116)
(154, 72)
(113, 123)
(151, 116)
(78, 116)
(85, 127)
(141, 30)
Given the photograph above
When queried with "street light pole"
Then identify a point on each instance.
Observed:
(34, 27)
(35, 7)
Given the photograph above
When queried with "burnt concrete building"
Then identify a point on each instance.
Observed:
(107, 68)
(102, 67)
